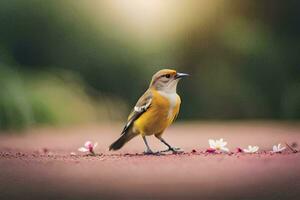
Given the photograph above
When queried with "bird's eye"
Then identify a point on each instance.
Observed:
(168, 75)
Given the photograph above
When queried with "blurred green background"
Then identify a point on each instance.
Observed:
(69, 62)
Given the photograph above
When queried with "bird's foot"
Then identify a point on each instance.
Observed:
(174, 150)
(150, 152)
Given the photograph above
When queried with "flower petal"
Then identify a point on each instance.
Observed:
(219, 142)
(87, 144)
(212, 143)
(282, 148)
(95, 145)
(246, 150)
(224, 143)
(83, 149)
(225, 149)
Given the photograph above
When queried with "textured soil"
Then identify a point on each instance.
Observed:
(38, 164)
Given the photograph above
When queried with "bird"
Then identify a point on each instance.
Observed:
(155, 111)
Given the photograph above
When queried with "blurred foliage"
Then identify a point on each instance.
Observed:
(246, 63)
(243, 57)
(50, 99)
(15, 110)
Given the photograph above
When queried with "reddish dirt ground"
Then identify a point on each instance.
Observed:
(38, 164)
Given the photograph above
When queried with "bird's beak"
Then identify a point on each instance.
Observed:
(181, 75)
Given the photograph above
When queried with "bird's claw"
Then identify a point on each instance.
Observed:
(174, 150)
(150, 152)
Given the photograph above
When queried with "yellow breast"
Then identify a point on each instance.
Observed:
(160, 114)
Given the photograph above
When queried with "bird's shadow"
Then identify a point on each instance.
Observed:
(156, 154)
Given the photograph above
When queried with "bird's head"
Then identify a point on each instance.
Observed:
(166, 80)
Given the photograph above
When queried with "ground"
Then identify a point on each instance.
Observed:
(38, 164)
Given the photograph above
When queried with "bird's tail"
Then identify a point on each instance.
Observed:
(119, 143)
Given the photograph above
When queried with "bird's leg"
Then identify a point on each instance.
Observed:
(170, 148)
(148, 151)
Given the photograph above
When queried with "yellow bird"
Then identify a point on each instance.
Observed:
(154, 111)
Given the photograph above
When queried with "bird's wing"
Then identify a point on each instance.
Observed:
(140, 107)
(177, 109)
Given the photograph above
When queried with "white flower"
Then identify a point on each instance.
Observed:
(278, 148)
(218, 145)
(251, 149)
(88, 147)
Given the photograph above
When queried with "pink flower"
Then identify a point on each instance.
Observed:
(88, 147)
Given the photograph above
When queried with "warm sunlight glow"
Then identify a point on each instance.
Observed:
(141, 13)
(158, 19)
